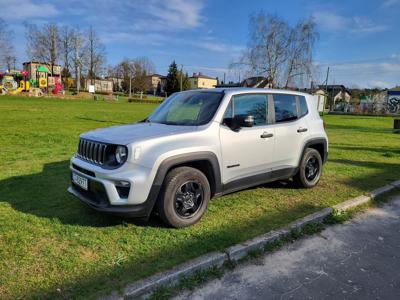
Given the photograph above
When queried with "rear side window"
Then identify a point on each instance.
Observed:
(285, 108)
(303, 109)
(255, 105)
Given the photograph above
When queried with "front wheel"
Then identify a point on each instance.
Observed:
(184, 197)
(310, 169)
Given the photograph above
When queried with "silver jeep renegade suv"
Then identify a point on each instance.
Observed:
(198, 145)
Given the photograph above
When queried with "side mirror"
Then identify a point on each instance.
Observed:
(240, 121)
(247, 121)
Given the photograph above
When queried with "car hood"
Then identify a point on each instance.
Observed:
(125, 134)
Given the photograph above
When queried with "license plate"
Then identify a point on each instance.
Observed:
(80, 181)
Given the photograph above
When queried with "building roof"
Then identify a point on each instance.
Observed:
(227, 85)
(40, 63)
(199, 75)
(333, 88)
(155, 75)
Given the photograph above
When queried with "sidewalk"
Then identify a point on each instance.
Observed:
(356, 260)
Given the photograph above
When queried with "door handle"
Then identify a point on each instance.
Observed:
(302, 129)
(266, 135)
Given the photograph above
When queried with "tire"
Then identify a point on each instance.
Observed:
(310, 169)
(184, 197)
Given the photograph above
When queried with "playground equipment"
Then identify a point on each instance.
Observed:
(43, 82)
(15, 82)
(16, 91)
(36, 92)
(57, 89)
(9, 83)
(25, 85)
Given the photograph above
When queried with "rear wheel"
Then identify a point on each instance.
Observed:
(310, 169)
(184, 197)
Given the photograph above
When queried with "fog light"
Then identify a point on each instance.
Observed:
(123, 183)
(123, 188)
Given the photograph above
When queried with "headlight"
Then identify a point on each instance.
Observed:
(121, 154)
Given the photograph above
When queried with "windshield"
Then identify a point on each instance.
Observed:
(188, 109)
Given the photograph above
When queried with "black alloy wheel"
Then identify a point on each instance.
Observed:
(188, 199)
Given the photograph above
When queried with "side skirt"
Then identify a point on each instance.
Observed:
(243, 183)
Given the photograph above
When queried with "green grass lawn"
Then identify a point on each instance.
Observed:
(52, 246)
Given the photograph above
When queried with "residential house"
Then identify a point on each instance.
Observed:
(336, 93)
(257, 82)
(200, 81)
(100, 85)
(117, 83)
(155, 83)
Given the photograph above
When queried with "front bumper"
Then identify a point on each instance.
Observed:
(103, 194)
(139, 210)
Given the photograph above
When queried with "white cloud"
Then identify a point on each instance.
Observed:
(390, 3)
(218, 46)
(177, 13)
(395, 56)
(382, 74)
(24, 9)
(379, 84)
(330, 21)
(144, 15)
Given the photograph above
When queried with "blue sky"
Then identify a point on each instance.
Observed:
(359, 39)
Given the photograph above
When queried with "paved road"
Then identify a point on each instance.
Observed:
(356, 260)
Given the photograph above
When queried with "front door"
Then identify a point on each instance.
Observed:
(248, 151)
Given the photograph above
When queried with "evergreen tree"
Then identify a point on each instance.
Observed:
(173, 84)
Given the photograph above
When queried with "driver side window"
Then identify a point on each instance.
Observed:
(255, 105)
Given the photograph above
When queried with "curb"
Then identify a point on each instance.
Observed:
(145, 286)
(239, 251)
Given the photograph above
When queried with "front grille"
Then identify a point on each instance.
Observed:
(93, 152)
(84, 171)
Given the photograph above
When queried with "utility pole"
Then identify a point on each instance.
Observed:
(77, 45)
(181, 77)
(326, 89)
(130, 86)
(224, 78)
(78, 79)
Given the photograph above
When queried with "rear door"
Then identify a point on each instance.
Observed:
(291, 129)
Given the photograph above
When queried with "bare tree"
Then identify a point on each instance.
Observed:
(7, 57)
(78, 56)
(96, 54)
(43, 43)
(67, 36)
(125, 71)
(277, 50)
(142, 67)
(134, 72)
(300, 50)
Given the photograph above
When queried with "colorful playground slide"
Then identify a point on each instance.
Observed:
(16, 91)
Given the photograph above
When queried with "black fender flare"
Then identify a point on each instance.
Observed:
(316, 141)
(178, 160)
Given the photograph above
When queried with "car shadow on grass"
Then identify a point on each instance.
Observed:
(45, 195)
(100, 121)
